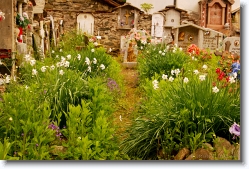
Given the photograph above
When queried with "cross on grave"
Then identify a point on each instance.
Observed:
(217, 37)
(127, 16)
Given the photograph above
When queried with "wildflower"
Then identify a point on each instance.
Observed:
(218, 71)
(94, 61)
(171, 79)
(231, 79)
(102, 66)
(63, 59)
(177, 71)
(61, 72)
(26, 87)
(215, 89)
(60, 50)
(10, 119)
(57, 56)
(202, 77)
(32, 62)
(87, 60)
(164, 77)
(58, 64)
(34, 72)
(204, 67)
(160, 52)
(180, 49)
(66, 64)
(155, 84)
(43, 68)
(27, 57)
(141, 47)
(52, 67)
(92, 50)
(163, 53)
(79, 138)
(174, 51)
(78, 56)
(68, 57)
(172, 72)
(25, 15)
(235, 75)
(36, 145)
(235, 130)
(185, 80)
(89, 69)
(52, 51)
(196, 72)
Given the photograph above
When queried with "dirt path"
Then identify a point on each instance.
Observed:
(128, 104)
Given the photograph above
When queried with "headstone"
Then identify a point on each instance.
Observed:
(157, 25)
(212, 40)
(38, 8)
(85, 23)
(232, 45)
(204, 38)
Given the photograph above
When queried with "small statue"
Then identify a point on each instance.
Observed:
(130, 53)
(181, 36)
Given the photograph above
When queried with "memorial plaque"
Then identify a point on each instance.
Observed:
(232, 44)
(157, 25)
(186, 36)
(212, 40)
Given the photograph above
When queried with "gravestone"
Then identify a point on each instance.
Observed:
(232, 45)
(204, 38)
(157, 25)
(85, 23)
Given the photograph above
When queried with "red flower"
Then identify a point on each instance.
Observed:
(218, 71)
(227, 78)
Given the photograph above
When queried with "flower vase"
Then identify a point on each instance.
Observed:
(19, 38)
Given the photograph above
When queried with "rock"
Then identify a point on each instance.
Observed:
(201, 154)
(223, 149)
(182, 154)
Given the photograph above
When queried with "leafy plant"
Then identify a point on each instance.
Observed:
(146, 7)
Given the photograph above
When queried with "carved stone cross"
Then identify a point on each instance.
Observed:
(127, 16)
(217, 37)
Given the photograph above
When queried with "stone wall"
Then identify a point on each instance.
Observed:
(105, 18)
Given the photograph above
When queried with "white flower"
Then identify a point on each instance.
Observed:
(10, 119)
(52, 67)
(231, 79)
(66, 64)
(172, 72)
(215, 89)
(160, 52)
(26, 87)
(95, 43)
(155, 84)
(202, 77)
(60, 50)
(87, 60)
(32, 62)
(1, 62)
(63, 59)
(61, 72)
(92, 50)
(52, 51)
(58, 64)
(34, 72)
(102, 66)
(57, 56)
(78, 56)
(176, 45)
(79, 138)
(235, 75)
(164, 77)
(141, 47)
(180, 49)
(174, 51)
(68, 57)
(204, 67)
(94, 61)
(196, 72)
(43, 68)
(177, 71)
(25, 15)
(171, 79)
(27, 57)
(89, 69)
(163, 53)
(193, 58)
(185, 80)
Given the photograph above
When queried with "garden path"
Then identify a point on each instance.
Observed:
(127, 105)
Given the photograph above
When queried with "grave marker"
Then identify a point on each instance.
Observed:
(232, 44)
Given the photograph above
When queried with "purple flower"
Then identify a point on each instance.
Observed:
(22, 134)
(235, 130)
(36, 145)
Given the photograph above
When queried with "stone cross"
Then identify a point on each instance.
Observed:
(127, 16)
(217, 37)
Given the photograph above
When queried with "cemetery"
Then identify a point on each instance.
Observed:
(108, 80)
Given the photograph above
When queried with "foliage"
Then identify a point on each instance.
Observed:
(146, 7)
(183, 107)
(159, 59)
